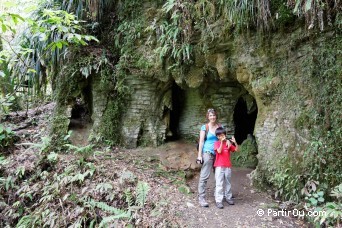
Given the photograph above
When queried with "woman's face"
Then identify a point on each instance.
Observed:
(212, 117)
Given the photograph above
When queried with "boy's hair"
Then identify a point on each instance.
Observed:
(220, 130)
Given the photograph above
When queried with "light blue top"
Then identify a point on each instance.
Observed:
(209, 143)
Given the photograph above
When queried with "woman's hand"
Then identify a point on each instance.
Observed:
(199, 160)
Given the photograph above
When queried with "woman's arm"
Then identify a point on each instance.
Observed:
(201, 143)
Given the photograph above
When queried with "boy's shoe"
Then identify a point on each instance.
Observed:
(230, 202)
(219, 205)
(202, 202)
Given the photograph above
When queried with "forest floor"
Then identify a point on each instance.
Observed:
(169, 170)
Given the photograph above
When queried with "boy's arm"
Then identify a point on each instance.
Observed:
(234, 148)
(236, 145)
(219, 150)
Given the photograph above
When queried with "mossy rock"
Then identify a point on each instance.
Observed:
(246, 157)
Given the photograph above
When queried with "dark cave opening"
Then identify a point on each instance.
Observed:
(80, 115)
(175, 113)
(244, 119)
(82, 110)
(80, 122)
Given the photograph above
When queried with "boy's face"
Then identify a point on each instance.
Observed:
(221, 137)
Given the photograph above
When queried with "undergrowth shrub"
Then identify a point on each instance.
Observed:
(7, 138)
(75, 191)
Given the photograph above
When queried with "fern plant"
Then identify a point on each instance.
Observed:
(129, 197)
(43, 146)
(174, 32)
(317, 13)
(118, 214)
(83, 151)
(141, 192)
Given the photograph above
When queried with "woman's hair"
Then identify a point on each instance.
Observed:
(219, 131)
(211, 110)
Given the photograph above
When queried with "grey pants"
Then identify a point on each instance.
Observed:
(208, 161)
(223, 186)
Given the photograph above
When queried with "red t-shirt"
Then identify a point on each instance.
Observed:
(223, 158)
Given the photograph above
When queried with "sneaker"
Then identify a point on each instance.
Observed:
(230, 202)
(219, 205)
(203, 203)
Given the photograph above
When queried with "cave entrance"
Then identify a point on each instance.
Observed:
(80, 121)
(177, 106)
(245, 114)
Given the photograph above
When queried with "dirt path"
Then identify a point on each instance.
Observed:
(243, 214)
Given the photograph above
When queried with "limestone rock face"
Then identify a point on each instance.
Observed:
(143, 122)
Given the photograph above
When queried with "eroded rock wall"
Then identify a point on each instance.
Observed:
(279, 72)
(144, 122)
(286, 77)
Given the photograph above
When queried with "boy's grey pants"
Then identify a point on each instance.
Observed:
(223, 177)
(208, 161)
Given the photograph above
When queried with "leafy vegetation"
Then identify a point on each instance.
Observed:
(246, 156)
(38, 49)
(7, 137)
(58, 190)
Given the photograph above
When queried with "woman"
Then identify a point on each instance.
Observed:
(206, 153)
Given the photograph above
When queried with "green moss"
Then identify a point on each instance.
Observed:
(111, 121)
(246, 157)
(59, 128)
(283, 15)
(303, 121)
(71, 82)
(110, 127)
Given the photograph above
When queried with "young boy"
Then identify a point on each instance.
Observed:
(222, 165)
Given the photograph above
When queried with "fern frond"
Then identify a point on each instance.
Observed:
(28, 221)
(104, 187)
(109, 219)
(129, 197)
(105, 207)
(142, 191)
